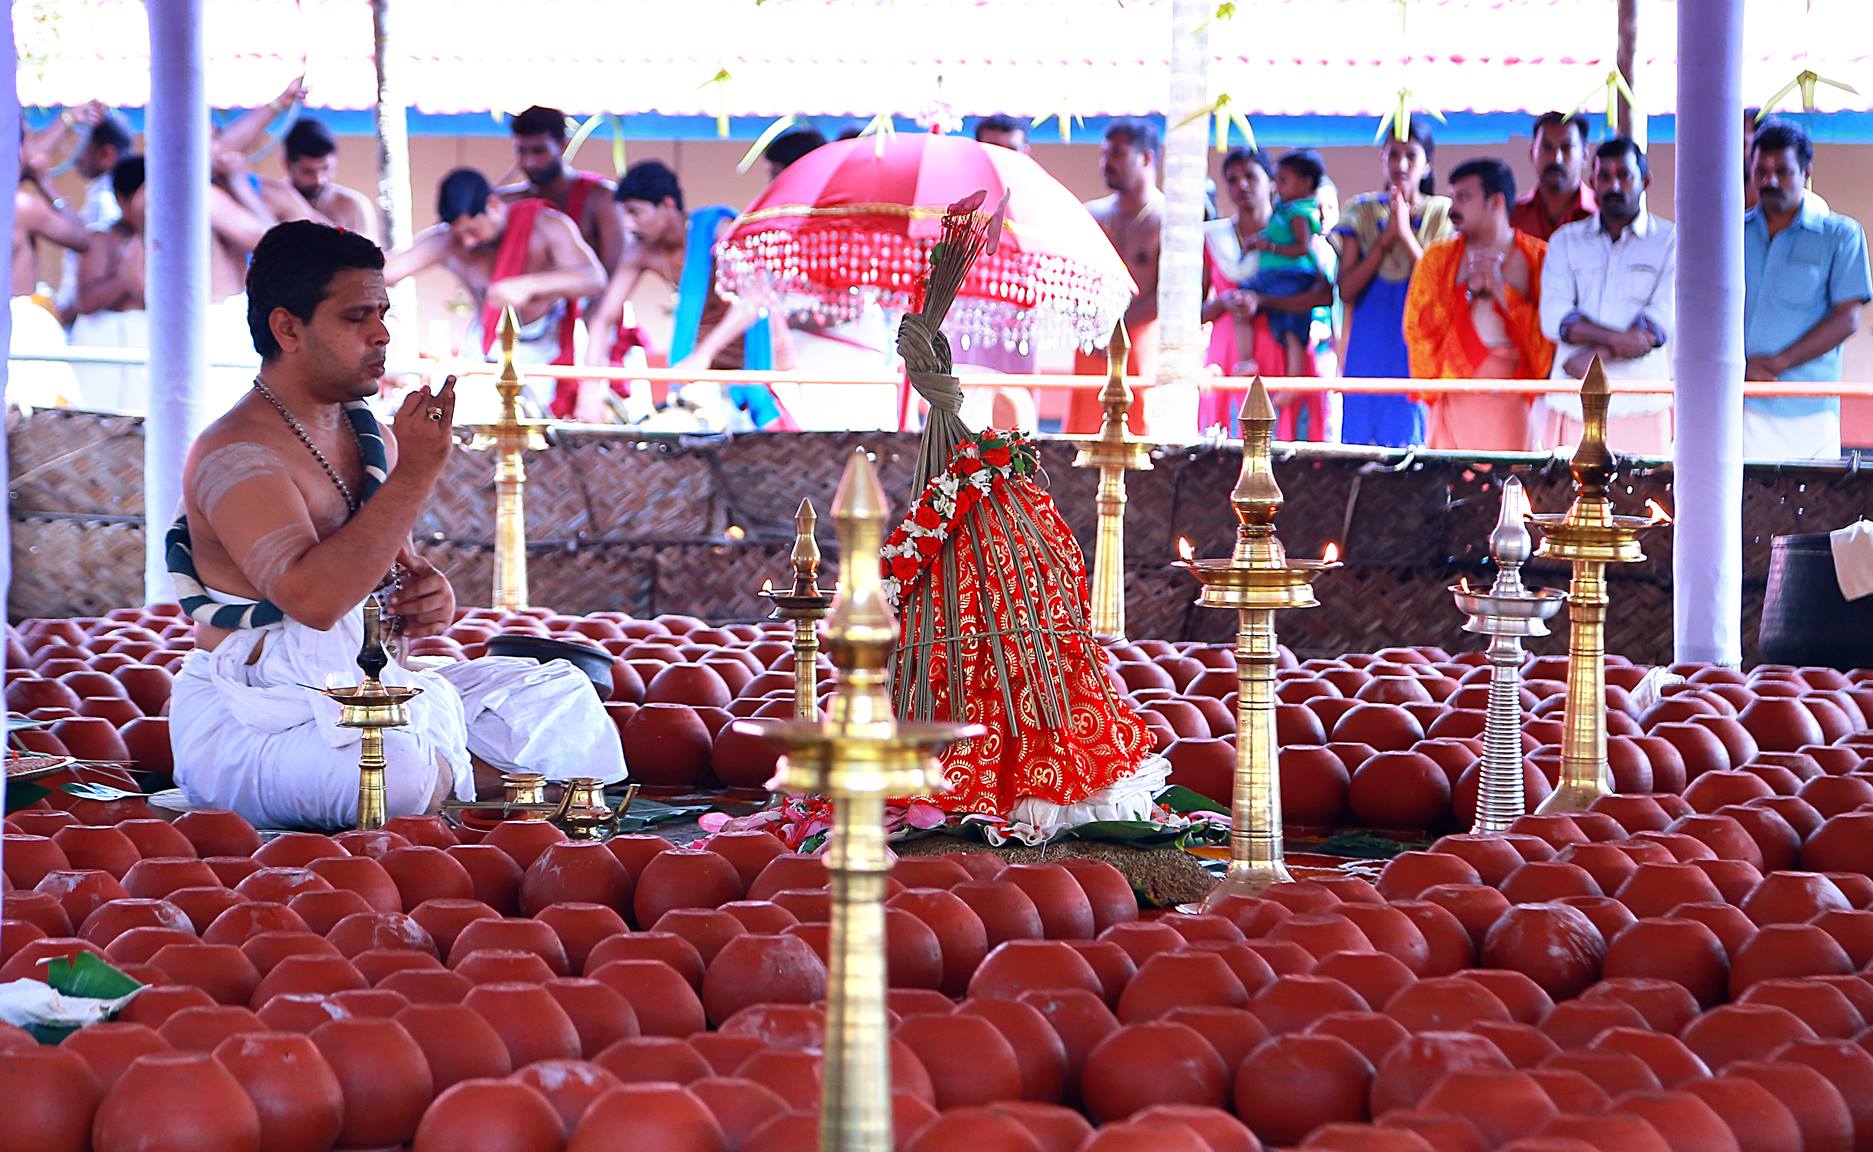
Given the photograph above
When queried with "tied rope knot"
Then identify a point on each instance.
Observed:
(928, 362)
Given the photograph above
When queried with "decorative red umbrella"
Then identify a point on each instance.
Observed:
(852, 223)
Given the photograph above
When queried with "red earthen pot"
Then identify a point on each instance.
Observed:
(1065, 911)
(1293, 1085)
(457, 1043)
(1188, 1070)
(1399, 789)
(1819, 1109)
(294, 1091)
(1731, 1033)
(650, 1116)
(1502, 1105)
(685, 878)
(52, 1095)
(1685, 952)
(1757, 1121)
(666, 1004)
(1527, 1001)
(1493, 857)
(187, 1097)
(1780, 950)
(503, 1114)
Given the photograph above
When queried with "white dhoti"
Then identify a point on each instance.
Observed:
(863, 346)
(113, 387)
(250, 735)
(536, 343)
(38, 383)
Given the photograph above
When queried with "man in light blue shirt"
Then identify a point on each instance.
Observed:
(1805, 276)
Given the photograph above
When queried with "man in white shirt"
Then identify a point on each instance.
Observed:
(1606, 291)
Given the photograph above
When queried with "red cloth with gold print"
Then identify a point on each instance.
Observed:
(1001, 639)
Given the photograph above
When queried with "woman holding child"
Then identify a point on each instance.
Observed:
(1242, 340)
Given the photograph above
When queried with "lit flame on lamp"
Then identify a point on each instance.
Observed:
(1463, 585)
(1184, 551)
(1331, 555)
(767, 587)
(735, 532)
(1657, 510)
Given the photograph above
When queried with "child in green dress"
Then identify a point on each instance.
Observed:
(1287, 265)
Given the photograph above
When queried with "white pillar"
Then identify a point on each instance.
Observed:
(176, 143)
(1707, 348)
(390, 114)
(9, 178)
(1180, 257)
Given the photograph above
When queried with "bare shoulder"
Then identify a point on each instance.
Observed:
(514, 192)
(1102, 207)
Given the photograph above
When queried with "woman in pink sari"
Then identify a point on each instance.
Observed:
(1240, 342)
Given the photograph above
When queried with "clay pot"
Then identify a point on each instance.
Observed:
(1527, 1002)
(1847, 1067)
(307, 973)
(961, 937)
(490, 1114)
(1189, 1071)
(650, 1115)
(684, 878)
(1493, 856)
(761, 969)
(1731, 1033)
(570, 1086)
(1020, 966)
(663, 947)
(52, 1095)
(1838, 845)
(1502, 1105)
(1757, 1121)
(1781, 724)
(969, 1060)
(1792, 898)
(119, 916)
(1286, 1089)
(1400, 789)
(1684, 952)
(1786, 950)
(457, 1043)
(527, 936)
(1065, 911)
(1819, 1109)
(384, 1077)
(1170, 980)
(668, 746)
(103, 848)
(1666, 1007)
(1314, 786)
(1448, 944)
(429, 831)
(1446, 1003)
(294, 1091)
(666, 1004)
(580, 928)
(187, 1097)
(1204, 765)
(493, 875)
(1006, 912)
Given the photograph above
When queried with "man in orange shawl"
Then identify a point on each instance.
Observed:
(1474, 313)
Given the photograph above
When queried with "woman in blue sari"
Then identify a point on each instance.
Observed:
(1380, 237)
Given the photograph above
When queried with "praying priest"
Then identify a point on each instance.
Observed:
(297, 506)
